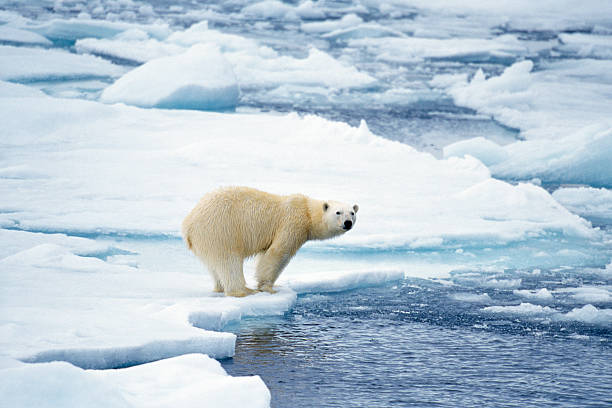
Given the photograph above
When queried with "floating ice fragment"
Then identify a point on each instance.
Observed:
(18, 36)
(541, 294)
(590, 314)
(35, 64)
(200, 78)
(522, 309)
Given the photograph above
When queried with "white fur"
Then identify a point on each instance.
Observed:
(234, 223)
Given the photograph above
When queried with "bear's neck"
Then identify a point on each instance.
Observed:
(318, 228)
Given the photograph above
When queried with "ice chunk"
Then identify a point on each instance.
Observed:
(17, 91)
(590, 314)
(565, 142)
(349, 20)
(472, 297)
(335, 281)
(139, 49)
(579, 158)
(35, 64)
(271, 9)
(371, 30)
(522, 309)
(410, 49)
(589, 294)
(200, 78)
(483, 149)
(184, 381)
(18, 36)
(74, 29)
(594, 204)
(318, 68)
(540, 295)
(586, 45)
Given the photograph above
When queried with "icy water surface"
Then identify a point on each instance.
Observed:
(425, 344)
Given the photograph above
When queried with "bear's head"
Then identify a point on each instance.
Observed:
(339, 217)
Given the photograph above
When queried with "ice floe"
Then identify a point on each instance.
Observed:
(186, 381)
(566, 123)
(201, 78)
(594, 204)
(21, 64)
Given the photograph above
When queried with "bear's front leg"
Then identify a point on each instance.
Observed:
(271, 263)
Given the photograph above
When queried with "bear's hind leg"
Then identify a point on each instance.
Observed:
(232, 277)
(215, 275)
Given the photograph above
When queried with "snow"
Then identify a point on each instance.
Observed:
(185, 381)
(36, 64)
(200, 79)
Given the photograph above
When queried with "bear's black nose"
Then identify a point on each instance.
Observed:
(348, 224)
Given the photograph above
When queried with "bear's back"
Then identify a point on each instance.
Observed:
(239, 220)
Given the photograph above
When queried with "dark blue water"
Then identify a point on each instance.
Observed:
(414, 345)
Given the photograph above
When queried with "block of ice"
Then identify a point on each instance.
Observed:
(566, 142)
(410, 49)
(590, 314)
(594, 204)
(271, 9)
(18, 36)
(35, 64)
(486, 151)
(472, 297)
(74, 29)
(522, 309)
(200, 78)
(539, 295)
(586, 45)
(349, 20)
(184, 381)
(128, 47)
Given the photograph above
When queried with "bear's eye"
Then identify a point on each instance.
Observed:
(337, 212)
(352, 213)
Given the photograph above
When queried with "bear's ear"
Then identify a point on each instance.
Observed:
(356, 208)
(325, 207)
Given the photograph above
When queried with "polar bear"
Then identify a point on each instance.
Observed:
(234, 223)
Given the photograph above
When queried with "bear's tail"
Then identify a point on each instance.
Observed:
(188, 241)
